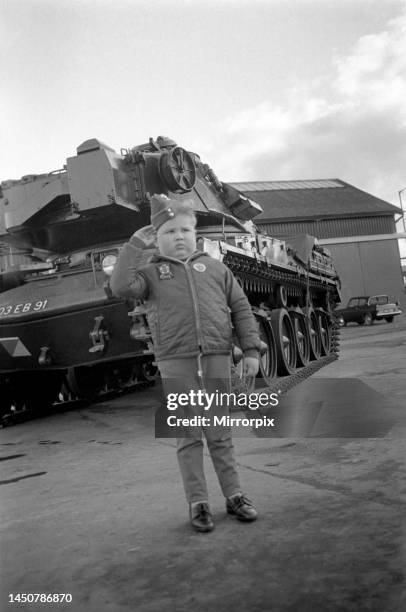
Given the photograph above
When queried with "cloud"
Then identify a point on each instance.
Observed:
(352, 126)
(374, 74)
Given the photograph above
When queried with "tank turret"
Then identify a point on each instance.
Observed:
(94, 197)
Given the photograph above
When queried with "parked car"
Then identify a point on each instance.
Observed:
(365, 310)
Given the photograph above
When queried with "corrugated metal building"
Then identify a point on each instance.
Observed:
(358, 228)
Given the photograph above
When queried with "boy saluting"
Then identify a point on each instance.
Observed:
(192, 300)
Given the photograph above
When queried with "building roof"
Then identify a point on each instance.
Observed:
(313, 199)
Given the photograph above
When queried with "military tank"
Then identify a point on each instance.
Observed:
(63, 335)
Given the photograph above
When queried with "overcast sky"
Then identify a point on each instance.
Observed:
(267, 90)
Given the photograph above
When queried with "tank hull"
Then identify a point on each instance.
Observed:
(67, 336)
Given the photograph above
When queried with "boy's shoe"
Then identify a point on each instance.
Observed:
(241, 507)
(201, 518)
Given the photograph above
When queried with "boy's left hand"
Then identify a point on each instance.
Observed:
(251, 366)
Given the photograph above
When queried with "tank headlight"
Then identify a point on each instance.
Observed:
(108, 263)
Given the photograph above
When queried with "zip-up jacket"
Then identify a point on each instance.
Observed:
(190, 304)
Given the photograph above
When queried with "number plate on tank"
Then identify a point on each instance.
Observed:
(23, 308)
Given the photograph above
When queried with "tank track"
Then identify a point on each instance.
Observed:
(70, 400)
(283, 385)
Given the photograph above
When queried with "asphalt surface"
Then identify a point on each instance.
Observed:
(92, 504)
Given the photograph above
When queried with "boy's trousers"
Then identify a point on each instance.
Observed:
(181, 376)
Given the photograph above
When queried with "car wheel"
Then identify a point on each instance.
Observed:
(367, 319)
(389, 319)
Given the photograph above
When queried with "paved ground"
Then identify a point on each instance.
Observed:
(92, 505)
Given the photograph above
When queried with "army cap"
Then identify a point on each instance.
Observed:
(162, 210)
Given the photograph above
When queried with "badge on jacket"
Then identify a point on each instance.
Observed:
(199, 267)
(165, 271)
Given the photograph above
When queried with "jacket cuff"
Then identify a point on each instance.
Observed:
(251, 353)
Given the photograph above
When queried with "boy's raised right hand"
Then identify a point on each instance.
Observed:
(147, 235)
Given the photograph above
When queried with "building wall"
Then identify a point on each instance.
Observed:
(367, 268)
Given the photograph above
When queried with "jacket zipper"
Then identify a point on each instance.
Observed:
(195, 306)
(189, 276)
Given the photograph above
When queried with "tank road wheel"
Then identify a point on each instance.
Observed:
(302, 337)
(86, 382)
(268, 359)
(178, 170)
(314, 334)
(119, 376)
(325, 331)
(147, 371)
(281, 296)
(284, 341)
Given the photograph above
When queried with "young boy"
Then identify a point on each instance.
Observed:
(189, 297)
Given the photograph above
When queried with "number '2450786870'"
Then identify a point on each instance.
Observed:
(24, 307)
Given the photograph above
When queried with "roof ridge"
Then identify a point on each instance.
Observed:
(285, 185)
(286, 181)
